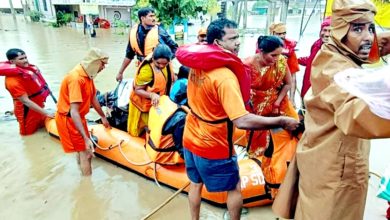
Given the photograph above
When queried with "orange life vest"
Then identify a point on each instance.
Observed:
(150, 42)
(160, 85)
(161, 148)
(38, 89)
(276, 158)
(9, 69)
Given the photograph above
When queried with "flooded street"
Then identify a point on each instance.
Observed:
(39, 181)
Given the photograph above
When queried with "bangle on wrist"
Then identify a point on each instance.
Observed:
(276, 105)
(150, 95)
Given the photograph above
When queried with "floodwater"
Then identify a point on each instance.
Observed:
(39, 181)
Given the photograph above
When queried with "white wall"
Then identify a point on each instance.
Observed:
(114, 12)
(15, 3)
(49, 11)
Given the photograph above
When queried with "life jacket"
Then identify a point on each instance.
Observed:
(161, 148)
(150, 41)
(289, 47)
(9, 69)
(208, 57)
(159, 85)
(278, 155)
(289, 52)
(38, 90)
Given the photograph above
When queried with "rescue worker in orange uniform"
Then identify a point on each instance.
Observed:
(29, 90)
(77, 94)
(144, 37)
(279, 29)
(217, 106)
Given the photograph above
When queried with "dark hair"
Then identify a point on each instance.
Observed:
(162, 51)
(268, 44)
(183, 72)
(142, 12)
(215, 29)
(13, 53)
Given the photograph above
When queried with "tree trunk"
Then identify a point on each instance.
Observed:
(270, 14)
(239, 14)
(12, 9)
(24, 10)
(245, 17)
(284, 11)
(235, 10)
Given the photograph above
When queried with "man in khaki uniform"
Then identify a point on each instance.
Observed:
(332, 156)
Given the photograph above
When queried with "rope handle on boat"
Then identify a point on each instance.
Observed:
(132, 162)
(106, 148)
(119, 145)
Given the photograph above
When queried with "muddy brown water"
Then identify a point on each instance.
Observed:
(39, 181)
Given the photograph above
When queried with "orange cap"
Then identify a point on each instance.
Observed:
(202, 31)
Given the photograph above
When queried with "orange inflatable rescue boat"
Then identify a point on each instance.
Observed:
(135, 154)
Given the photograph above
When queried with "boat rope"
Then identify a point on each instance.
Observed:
(106, 148)
(155, 175)
(119, 145)
(132, 162)
(166, 201)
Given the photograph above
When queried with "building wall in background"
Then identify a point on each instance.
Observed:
(16, 3)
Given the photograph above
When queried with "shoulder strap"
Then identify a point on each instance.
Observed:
(151, 40)
(229, 125)
(133, 39)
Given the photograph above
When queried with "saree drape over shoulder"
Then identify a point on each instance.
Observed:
(266, 83)
(276, 146)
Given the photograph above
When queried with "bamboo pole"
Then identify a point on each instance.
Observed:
(166, 201)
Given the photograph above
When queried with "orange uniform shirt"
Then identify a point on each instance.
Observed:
(293, 64)
(212, 95)
(292, 60)
(29, 120)
(76, 87)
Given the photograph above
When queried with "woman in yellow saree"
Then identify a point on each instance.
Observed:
(153, 78)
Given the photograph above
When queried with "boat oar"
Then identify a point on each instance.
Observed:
(51, 94)
(166, 201)
(53, 97)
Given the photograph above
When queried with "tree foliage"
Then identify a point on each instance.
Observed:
(169, 10)
(138, 5)
(211, 7)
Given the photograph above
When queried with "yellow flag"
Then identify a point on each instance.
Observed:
(382, 18)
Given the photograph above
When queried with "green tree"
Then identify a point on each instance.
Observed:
(138, 5)
(169, 10)
(35, 16)
(211, 7)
